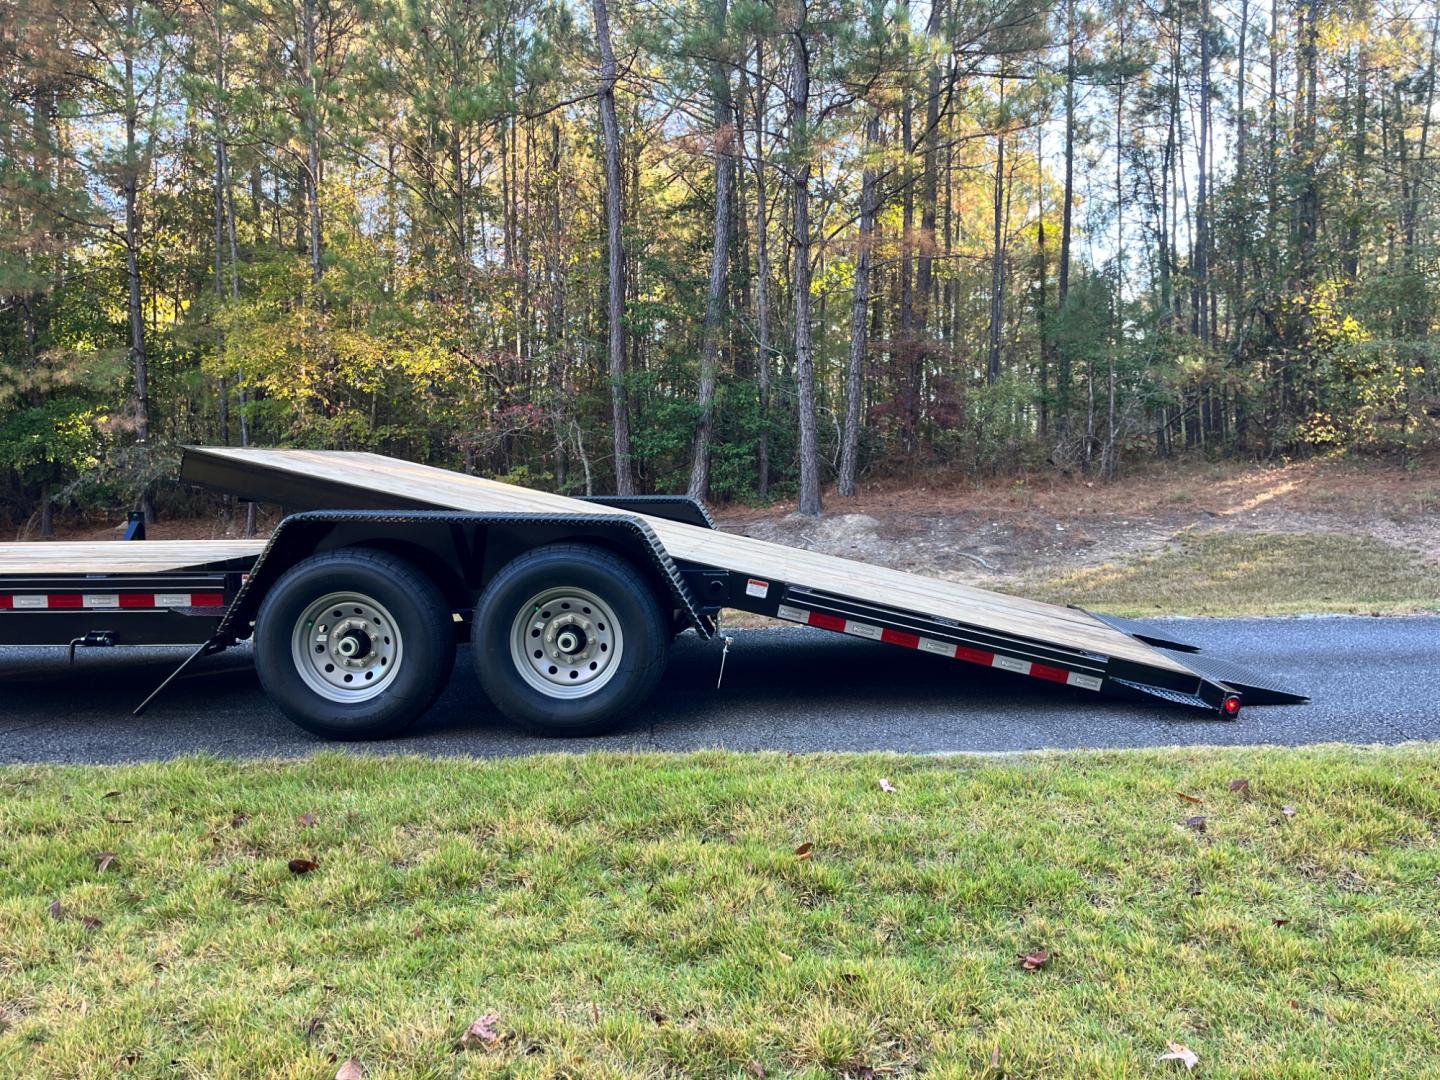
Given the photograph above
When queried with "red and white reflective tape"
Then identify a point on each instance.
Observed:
(940, 648)
(107, 601)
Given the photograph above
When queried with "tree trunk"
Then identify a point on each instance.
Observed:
(218, 283)
(1417, 183)
(139, 356)
(929, 183)
(997, 257)
(1200, 300)
(810, 503)
(1417, 327)
(47, 511)
(715, 300)
(762, 272)
(312, 141)
(1350, 247)
(859, 314)
(1042, 288)
(1062, 272)
(1242, 136)
(619, 405)
(1307, 209)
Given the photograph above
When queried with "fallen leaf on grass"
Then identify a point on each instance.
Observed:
(858, 1070)
(303, 866)
(886, 786)
(1034, 961)
(1240, 785)
(57, 911)
(111, 795)
(757, 1070)
(240, 818)
(1181, 1053)
(104, 861)
(1282, 922)
(805, 850)
(1197, 823)
(351, 1070)
(1196, 799)
(481, 1032)
(1288, 811)
(306, 820)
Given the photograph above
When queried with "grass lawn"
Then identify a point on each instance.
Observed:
(1244, 573)
(634, 915)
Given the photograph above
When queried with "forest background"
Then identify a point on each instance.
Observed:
(741, 248)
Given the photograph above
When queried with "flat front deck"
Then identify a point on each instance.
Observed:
(62, 557)
(422, 485)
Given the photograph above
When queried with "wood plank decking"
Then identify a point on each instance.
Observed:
(124, 556)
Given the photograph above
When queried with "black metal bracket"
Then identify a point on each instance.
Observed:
(95, 639)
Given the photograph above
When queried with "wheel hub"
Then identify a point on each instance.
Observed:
(346, 647)
(565, 642)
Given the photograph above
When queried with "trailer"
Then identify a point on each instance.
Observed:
(381, 569)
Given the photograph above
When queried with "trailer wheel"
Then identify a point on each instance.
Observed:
(568, 639)
(354, 644)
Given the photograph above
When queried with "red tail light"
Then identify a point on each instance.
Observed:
(1231, 706)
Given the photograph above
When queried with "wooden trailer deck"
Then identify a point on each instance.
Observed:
(376, 480)
(65, 557)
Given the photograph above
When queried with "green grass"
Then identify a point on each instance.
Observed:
(1235, 573)
(645, 915)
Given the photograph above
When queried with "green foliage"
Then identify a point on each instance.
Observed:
(51, 442)
(438, 289)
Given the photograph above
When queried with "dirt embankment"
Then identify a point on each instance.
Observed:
(1011, 531)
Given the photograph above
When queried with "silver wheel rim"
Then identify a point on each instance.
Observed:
(347, 647)
(566, 642)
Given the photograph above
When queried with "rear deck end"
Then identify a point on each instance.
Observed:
(134, 592)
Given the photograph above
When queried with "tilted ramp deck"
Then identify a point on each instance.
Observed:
(1046, 641)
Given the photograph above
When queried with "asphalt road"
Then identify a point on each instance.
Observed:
(1371, 681)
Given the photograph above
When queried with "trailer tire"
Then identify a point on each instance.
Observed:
(568, 639)
(377, 667)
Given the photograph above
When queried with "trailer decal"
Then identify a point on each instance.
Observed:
(984, 658)
(108, 601)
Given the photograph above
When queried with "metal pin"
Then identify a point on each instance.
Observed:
(723, 654)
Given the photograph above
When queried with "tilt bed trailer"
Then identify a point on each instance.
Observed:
(381, 568)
